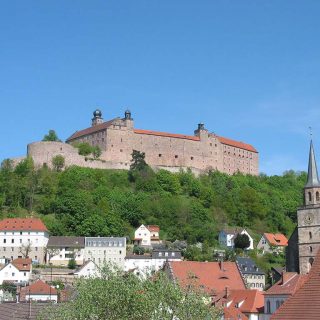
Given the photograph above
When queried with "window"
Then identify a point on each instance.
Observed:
(278, 304)
(268, 307)
(13, 274)
(12, 240)
(160, 155)
(24, 273)
(176, 156)
(309, 195)
(310, 235)
(4, 240)
(4, 249)
(20, 240)
(317, 196)
(191, 158)
(20, 233)
(12, 249)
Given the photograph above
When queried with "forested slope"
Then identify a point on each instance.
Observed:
(83, 201)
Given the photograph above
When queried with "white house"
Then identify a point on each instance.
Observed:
(272, 242)
(17, 271)
(87, 270)
(147, 235)
(228, 234)
(60, 250)
(144, 265)
(23, 238)
(38, 291)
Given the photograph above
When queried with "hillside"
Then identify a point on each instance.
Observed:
(91, 202)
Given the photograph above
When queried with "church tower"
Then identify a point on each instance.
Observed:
(309, 217)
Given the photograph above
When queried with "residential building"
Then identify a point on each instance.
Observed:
(146, 236)
(275, 296)
(253, 276)
(17, 271)
(88, 270)
(146, 264)
(304, 243)
(272, 242)
(23, 238)
(249, 302)
(212, 277)
(60, 250)
(228, 234)
(305, 301)
(37, 291)
(105, 250)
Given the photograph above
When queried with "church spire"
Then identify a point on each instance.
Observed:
(313, 179)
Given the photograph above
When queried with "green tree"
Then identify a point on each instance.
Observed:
(138, 161)
(116, 295)
(72, 263)
(84, 148)
(58, 162)
(241, 241)
(51, 136)
(96, 152)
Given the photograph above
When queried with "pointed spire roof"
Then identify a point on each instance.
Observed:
(313, 179)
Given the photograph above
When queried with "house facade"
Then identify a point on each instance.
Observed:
(272, 243)
(146, 264)
(105, 250)
(146, 236)
(88, 270)
(253, 276)
(60, 250)
(17, 271)
(228, 234)
(23, 238)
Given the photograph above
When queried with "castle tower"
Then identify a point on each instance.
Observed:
(309, 217)
(128, 119)
(201, 132)
(97, 117)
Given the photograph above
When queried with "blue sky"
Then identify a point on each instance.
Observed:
(249, 70)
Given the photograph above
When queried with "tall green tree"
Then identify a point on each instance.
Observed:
(58, 162)
(51, 136)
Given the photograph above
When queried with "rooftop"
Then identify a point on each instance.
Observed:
(213, 277)
(72, 242)
(248, 301)
(22, 264)
(276, 239)
(22, 224)
(247, 266)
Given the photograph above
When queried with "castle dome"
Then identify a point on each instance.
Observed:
(97, 113)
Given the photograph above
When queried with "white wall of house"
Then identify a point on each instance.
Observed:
(255, 281)
(227, 239)
(64, 255)
(90, 269)
(144, 234)
(11, 273)
(42, 297)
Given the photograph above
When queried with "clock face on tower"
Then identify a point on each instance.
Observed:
(308, 219)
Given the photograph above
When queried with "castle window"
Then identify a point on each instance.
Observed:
(317, 196)
(309, 195)
(310, 235)
(176, 156)
(160, 155)
(191, 158)
(310, 249)
(121, 150)
(268, 306)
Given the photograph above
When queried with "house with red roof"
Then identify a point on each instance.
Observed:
(212, 277)
(37, 291)
(305, 301)
(272, 242)
(17, 271)
(146, 236)
(23, 238)
(275, 296)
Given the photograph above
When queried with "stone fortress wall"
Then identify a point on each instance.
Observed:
(117, 139)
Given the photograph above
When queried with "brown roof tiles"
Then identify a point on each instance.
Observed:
(22, 224)
(276, 239)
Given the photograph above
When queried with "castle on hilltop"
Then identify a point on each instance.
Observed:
(117, 139)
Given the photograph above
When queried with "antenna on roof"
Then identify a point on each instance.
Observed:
(310, 132)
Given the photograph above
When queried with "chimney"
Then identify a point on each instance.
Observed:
(227, 292)
(221, 265)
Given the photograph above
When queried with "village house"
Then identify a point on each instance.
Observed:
(253, 276)
(212, 277)
(275, 296)
(272, 242)
(228, 234)
(17, 271)
(144, 265)
(105, 250)
(60, 250)
(23, 238)
(146, 236)
(88, 270)
(37, 291)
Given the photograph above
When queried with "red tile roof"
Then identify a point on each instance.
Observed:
(288, 285)
(213, 277)
(166, 134)
(22, 264)
(237, 144)
(276, 239)
(90, 130)
(153, 228)
(39, 288)
(233, 313)
(22, 224)
(252, 300)
(305, 303)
